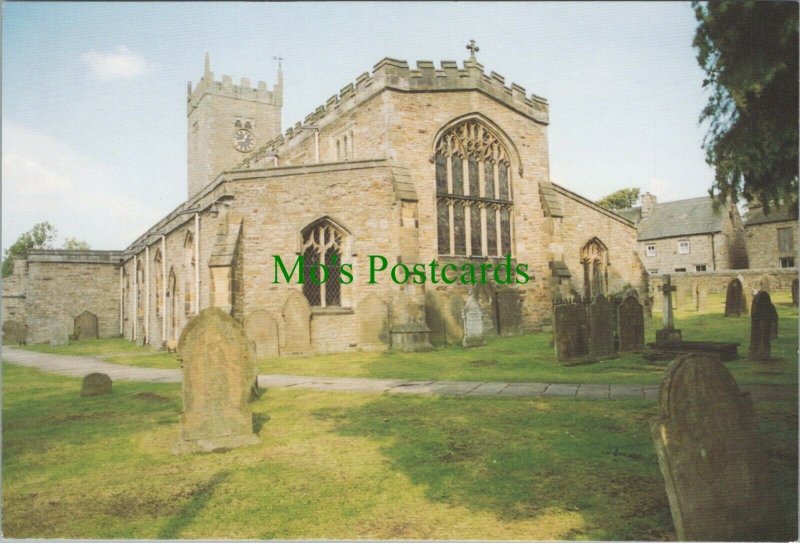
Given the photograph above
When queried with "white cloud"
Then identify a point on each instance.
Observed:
(119, 64)
(45, 179)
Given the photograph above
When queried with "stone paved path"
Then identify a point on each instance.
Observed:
(78, 366)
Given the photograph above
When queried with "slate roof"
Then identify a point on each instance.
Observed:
(677, 219)
(779, 213)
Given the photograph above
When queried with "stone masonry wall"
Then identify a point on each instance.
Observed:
(15, 287)
(762, 243)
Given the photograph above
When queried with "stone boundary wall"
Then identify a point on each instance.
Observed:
(780, 280)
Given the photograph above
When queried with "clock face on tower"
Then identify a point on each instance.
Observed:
(243, 140)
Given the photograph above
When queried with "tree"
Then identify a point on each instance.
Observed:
(41, 236)
(749, 53)
(621, 199)
(74, 244)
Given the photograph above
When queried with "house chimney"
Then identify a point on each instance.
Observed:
(648, 203)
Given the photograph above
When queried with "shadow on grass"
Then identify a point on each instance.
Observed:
(525, 460)
(195, 505)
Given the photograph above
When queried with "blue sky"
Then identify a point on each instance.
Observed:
(94, 125)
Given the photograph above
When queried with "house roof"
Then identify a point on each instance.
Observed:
(633, 214)
(679, 218)
(778, 213)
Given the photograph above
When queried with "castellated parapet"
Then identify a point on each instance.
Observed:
(396, 75)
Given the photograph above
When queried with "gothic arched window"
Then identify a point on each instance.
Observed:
(323, 243)
(594, 257)
(473, 193)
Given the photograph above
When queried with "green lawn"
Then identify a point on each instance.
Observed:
(516, 359)
(339, 465)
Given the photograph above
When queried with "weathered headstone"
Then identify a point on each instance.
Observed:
(86, 326)
(702, 298)
(297, 325)
(15, 332)
(630, 325)
(570, 331)
(694, 292)
(472, 316)
(509, 311)
(733, 299)
(96, 384)
(601, 328)
(763, 326)
(58, 334)
(218, 375)
(709, 453)
(795, 292)
(262, 330)
(373, 323)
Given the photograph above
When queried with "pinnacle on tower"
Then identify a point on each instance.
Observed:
(207, 68)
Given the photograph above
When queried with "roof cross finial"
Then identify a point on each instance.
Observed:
(473, 48)
(279, 58)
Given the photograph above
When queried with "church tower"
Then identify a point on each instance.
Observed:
(226, 122)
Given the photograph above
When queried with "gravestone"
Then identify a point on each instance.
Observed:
(509, 311)
(472, 317)
(709, 454)
(86, 326)
(14, 332)
(630, 325)
(570, 331)
(58, 334)
(702, 298)
(763, 326)
(262, 330)
(733, 299)
(601, 327)
(694, 292)
(373, 323)
(795, 293)
(297, 325)
(218, 375)
(96, 384)
(668, 334)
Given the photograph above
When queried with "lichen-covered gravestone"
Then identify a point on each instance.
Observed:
(733, 299)
(630, 325)
(86, 326)
(297, 324)
(472, 317)
(601, 328)
(570, 329)
(58, 334)
(96, 384)
(763, 326)
(509, 311)
(710, 455)
(218, 374)
(262, 329)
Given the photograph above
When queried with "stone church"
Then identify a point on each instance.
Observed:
(413, 164)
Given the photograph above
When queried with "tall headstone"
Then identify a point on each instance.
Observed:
(570, 331)
(630, 325)
(795, 292)
(373, 323)
(694, 292)
(509, 311)
(297, 325)
(702, 298)
(472, 316)
(218, 375)
(58, 334)
(709, 454)
(733, 299)
(96, 384)
(86, 326)
(601, 328)
(763, 326)
(668, 334)
(262, 330)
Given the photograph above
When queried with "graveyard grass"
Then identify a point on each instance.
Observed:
(343, 465)
(514, 359)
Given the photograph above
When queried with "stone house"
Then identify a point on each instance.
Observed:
(686, 236)
(418, 166)
(772, 237)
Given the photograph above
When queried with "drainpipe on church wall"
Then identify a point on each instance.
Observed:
(147, 294)
(197, 263)
(163, 288)
(121, 299)
(135, 304)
